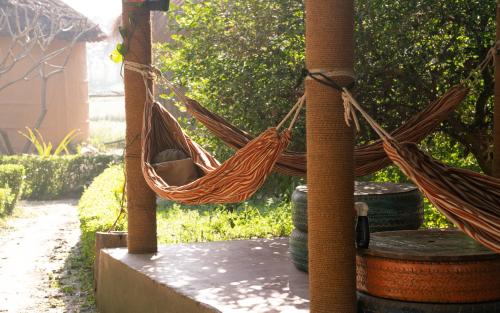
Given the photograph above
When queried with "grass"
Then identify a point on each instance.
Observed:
(180, 223)
(100, 205)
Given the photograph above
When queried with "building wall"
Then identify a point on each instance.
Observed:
(67, 98)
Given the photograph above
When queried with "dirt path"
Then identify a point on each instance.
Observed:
(36, 250)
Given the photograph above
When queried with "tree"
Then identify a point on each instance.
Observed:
(32, 30)
(410, 52)
(243, 59)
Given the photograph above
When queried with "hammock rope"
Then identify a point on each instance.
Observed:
(233, 181)
(468, 199)
(368, 158)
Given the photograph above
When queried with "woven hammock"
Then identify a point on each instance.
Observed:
(368, 158)
(468, 199)
(233, 181)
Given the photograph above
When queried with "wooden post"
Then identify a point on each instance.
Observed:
(496, 123)
(141, 201)
(330, 171)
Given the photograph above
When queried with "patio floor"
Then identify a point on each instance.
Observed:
(231, 276)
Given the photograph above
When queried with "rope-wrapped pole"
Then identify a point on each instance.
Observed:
(330, 168)
(496, 123)
(141, 201)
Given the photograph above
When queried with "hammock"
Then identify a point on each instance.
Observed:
(233, 181)
(368, 158)
(468, 199)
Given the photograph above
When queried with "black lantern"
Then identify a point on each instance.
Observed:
(153, 5)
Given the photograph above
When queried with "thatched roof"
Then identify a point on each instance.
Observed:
(71, 22)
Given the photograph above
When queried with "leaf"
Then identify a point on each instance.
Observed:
(63, 145)
(121, 48)
(116, 56)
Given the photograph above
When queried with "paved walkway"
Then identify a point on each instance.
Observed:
(35, 275)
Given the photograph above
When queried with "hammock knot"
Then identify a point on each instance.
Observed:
(349, 112)
(147, 71)
(327, 77)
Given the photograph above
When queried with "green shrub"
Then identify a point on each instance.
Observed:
(181, 223)
(12, 176)
(7, 201)
(57, 176)
(99, 207)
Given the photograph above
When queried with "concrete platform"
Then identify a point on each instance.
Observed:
(231, 276)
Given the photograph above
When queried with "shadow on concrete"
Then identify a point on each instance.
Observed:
(241, 275)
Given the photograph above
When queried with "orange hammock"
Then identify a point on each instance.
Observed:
(233, 181)
(368, 158)
(468, 199)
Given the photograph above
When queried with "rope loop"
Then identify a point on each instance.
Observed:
(326, 78)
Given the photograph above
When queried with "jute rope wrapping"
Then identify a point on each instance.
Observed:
(496, 118)
(141, 201)
(330, 167)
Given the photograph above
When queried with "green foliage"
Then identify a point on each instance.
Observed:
(409, 52)
(7, 201)
(99, 207)
(240, 58)
(243, 59)
(44, 149)
(12, 176)
(179, 223)
(57, 176)
(118, 54)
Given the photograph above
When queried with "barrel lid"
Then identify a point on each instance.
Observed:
(362, 188)
(426, 245)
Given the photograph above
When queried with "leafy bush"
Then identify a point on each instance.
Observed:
(99, 207)
(57, 176)
(7, 201)
(180, 223)
(12, 176)
(243, 59)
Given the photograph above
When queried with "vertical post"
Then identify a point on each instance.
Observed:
(330, 171)
(496, 123)
(141, 201)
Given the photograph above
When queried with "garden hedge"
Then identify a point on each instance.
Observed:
(7, 201)
(99, 206)
(12, 176)
(54, 177)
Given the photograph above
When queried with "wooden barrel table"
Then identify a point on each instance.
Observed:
(428, 266)
(392, 207)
